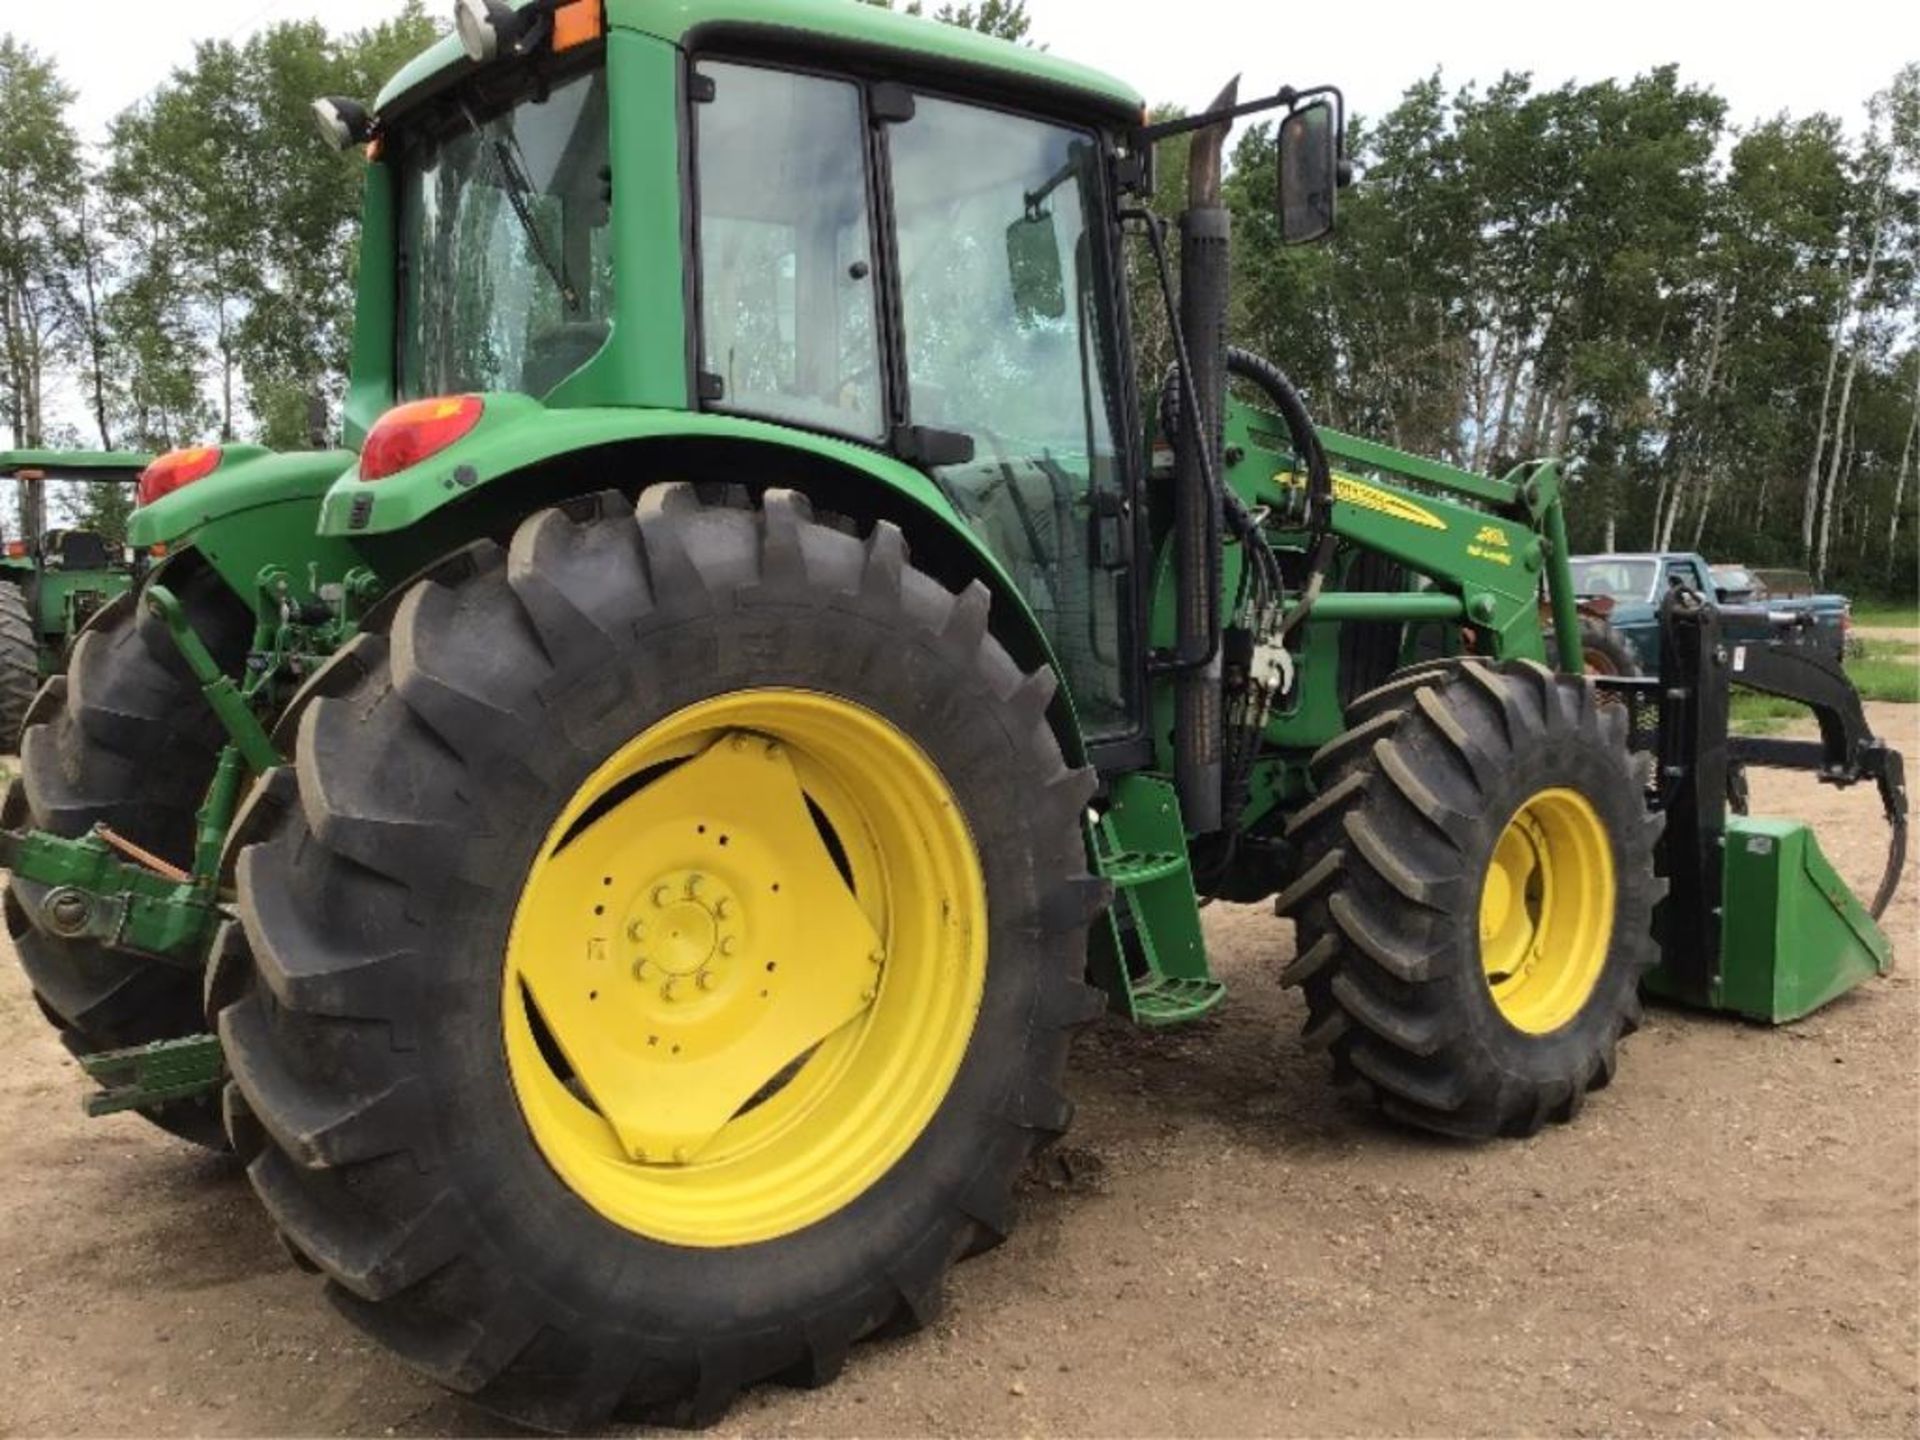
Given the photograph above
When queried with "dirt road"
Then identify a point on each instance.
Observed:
(1726, 1241)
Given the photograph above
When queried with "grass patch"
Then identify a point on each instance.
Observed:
(1887, 677)
(1885, 670)
(1886, 614)
(1751, 713)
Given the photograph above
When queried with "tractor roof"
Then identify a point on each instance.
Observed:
(117, 465)
(833, 23)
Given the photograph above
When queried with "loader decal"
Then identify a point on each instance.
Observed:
(1490, 543)
(1362, 496)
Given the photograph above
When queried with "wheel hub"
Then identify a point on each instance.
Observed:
(687, 929)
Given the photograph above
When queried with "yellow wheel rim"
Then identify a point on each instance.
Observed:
(1546, 911)
(745, 967)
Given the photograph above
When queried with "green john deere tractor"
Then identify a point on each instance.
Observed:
(621, 852)
(53, 580)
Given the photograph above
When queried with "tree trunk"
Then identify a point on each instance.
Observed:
(1900, 476)
(1821, 548)
(96, 332)
(1811, 503)
(1509, 392)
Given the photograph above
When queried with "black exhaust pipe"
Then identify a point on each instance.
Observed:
(1204, 277)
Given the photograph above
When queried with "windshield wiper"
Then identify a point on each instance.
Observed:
(519, 185)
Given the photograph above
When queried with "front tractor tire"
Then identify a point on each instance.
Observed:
(664, 962)
(124, 739)
(1474, 898)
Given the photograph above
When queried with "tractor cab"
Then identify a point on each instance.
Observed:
(53, 580)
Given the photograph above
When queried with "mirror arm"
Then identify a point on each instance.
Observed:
(1286, 95)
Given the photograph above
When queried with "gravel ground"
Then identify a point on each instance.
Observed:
(1728, 1240)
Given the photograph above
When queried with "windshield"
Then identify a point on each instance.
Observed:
(1618, 579)
(505, 246)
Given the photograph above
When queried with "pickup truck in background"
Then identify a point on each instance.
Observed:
(1633, 587)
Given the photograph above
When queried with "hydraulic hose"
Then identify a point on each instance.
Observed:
(1272, 381)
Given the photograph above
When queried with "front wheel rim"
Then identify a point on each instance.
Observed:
(1546, 911)
(746, 964)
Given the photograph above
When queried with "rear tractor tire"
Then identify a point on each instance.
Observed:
(19, 664)
(1475, 893)
(718, 901)
(124, 738)
(1605, 650)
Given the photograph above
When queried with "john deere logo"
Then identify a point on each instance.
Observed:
(1490, 542)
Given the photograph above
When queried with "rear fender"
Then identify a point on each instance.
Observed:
(256, 509)
(523, 456)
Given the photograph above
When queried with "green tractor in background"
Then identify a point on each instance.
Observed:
(620, 852)
(54, 579)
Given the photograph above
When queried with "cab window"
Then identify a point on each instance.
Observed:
(786, 250)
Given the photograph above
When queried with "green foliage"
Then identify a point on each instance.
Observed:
(1003, 19)
(1605, 272)
(217, 158)
(40, 184)
(101, 506)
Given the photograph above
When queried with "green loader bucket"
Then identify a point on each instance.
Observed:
(1793, 936)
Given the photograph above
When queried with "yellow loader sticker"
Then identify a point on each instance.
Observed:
(1362, 496)
(1490, 543)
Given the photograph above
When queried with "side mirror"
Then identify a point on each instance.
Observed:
(1309, 173)
(1033, 267)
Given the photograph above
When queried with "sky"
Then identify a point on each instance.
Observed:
(1762, 56)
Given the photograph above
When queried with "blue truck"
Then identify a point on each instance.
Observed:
(1628, 590)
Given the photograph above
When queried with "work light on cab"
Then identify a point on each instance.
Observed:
(410, 433)
(175, 469)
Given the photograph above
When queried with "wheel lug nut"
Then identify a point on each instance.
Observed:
(773, 749)
(636, 930)
(878, 957)
(693, 885)
(661, 895)
(640, 968)
(868, 993)
(722, 908)
(667, 990)
(728, 945)
(705, 980)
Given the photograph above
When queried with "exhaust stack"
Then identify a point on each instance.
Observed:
(1204, 279)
